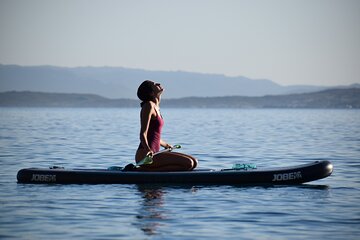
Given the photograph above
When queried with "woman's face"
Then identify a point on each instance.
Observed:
(157, 89)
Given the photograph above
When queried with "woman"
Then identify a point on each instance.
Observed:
(151, 120)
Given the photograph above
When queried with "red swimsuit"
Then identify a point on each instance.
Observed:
(154, 133)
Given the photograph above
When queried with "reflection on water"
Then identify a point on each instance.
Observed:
(151, 212)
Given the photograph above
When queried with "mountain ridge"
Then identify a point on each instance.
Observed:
(120, 82)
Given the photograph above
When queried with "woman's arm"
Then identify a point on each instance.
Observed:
(145, 117)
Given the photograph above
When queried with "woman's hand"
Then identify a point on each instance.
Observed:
(165, 144)
(168, 146)
(150, 154)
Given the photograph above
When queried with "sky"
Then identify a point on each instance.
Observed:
(290, 42)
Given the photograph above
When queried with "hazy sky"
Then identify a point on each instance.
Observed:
(288, 41)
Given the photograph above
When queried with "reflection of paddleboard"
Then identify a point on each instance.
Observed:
(285, 175)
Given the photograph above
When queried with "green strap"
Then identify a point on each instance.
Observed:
(243, 166)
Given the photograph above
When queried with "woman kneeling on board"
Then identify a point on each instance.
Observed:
(151, 120)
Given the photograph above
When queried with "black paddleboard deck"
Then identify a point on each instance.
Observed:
(275, 176)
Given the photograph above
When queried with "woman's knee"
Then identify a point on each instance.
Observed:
(191, 161)
(179, 159)
(195, 162)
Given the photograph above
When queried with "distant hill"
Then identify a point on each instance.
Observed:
(332, 98)
(41, 99)
(118, 82)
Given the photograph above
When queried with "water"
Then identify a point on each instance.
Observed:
(93, 138)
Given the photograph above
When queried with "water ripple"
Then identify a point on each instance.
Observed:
(98, 138)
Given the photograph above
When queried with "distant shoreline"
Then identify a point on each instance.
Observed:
(331, 98)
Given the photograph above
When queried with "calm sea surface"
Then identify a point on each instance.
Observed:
(99, 138)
